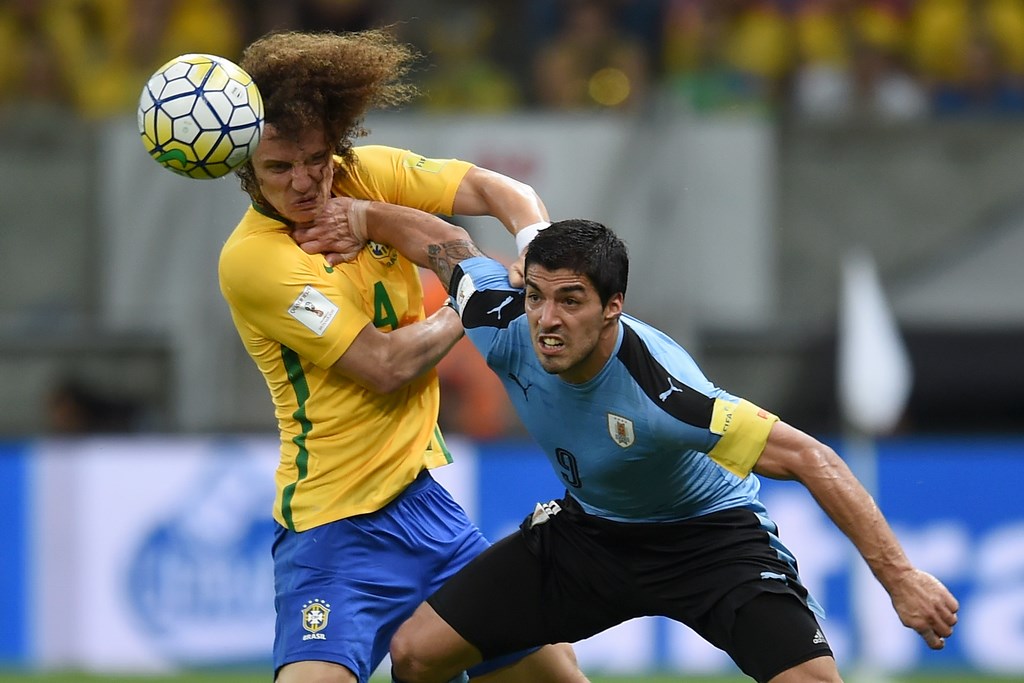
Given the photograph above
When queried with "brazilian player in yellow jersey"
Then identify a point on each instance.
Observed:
(347, 448)
(365, 533)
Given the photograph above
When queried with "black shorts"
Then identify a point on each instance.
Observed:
(576, 575)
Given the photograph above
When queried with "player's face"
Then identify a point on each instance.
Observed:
(294, 176)
(573, 334)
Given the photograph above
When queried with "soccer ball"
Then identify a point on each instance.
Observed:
(200, 116)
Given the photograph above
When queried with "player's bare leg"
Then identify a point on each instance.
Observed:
(314, 672)
(817, 670)
(427, 650)
(550, 664)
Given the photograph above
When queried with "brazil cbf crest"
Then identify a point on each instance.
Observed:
(621, 430)
(314, 619)
(383, 253)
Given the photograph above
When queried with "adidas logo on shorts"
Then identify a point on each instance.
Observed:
(819, 638)
(543, 512)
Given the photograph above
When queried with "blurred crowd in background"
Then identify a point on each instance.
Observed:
(813, 59)
(801, 60)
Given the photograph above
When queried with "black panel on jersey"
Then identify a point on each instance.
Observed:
(674, 397)
(453, 283)
(490, 307)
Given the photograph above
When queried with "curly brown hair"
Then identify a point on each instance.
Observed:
(328, 81)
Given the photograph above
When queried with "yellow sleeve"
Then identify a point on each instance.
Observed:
(299, 303)
(398, 176)
(744, 431)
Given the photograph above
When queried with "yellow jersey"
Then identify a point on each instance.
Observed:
(345, 450)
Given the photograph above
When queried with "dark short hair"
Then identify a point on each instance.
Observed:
(585, 247)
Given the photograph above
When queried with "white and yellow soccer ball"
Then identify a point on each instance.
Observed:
(200, 116)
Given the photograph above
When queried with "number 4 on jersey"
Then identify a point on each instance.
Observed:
(383, 309)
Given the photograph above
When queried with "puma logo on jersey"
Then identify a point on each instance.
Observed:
(519, 384)
(503, 304)
(668, 392)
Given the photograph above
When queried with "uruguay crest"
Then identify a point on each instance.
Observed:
(621, 430)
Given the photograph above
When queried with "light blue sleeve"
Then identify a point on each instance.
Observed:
(488, 305)
(480, 273)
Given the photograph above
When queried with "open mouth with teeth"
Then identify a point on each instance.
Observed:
(551, 343)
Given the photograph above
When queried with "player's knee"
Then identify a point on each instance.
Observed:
(552, 664)
(410, 670)
(565, 653)
(314, 672)
(408, 661)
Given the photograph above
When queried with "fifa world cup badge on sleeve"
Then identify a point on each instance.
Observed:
(314, 310)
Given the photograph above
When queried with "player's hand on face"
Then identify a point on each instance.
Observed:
(330, 233)
(924, 604)
(517, 272)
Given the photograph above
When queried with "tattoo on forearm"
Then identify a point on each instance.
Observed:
(444, 257)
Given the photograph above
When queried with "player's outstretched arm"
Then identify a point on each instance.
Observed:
(423, 238)
(385, 362)
(487, 193)
(517, 205)
(922, 602)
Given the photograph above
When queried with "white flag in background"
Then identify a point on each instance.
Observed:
(875, 374)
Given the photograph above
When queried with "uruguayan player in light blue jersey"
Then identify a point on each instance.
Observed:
(661, 514)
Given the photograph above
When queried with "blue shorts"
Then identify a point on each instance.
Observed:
(342, 589)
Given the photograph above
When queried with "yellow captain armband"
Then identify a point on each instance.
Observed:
(744, 430)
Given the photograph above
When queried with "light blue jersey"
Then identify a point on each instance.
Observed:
(647, 439)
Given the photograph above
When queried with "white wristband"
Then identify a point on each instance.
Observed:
(526, 235)
(357, 218)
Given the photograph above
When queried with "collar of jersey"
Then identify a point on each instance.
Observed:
(270, 213)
